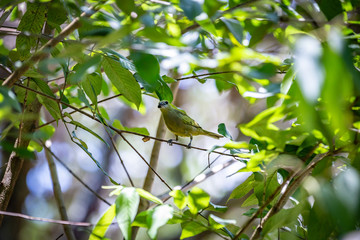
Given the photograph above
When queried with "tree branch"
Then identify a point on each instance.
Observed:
(137, 152)
(58, 194)
(121, 161)
(74, 175)
(45, 49)
(20, 215)
(15, 161)
(288, 192)
(124, 131)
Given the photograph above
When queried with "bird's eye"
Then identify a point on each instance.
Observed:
(166, 102)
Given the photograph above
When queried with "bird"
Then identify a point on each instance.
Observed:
(180, 124)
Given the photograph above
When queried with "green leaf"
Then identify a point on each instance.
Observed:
(81, 96)
(191, 8)
(123, 80)
(148, 68)
(44, 87)
(126, 63)
(347, 184)
(223, 131)
(104, 113)
(198, 199)
(207, 25)
(320, 224)
(117, 124)
(180, 199)
(148, 196)
(233, 3)
(32, 22)
(103, 224)
(57, 14)
(141, 219)
(331, 8)
(262, 71)
(84, 147)
(3, 49)
(250, 201)
(127, 204)
(168, 79)
(8, 98)
(34, 146)
(92, 86)
(158, 34)
(243, 189)
(159, 217)
(51, 106)
(287, 81)
(217, 208)
(212, 6)
(285, 161)
(334, 62)
(164, 92)
(44, 133)
(217, 222)
(257, 29)
(192, 228)
(252, 211)
(78, 124)
(284, 218)
(32, 73)
(234, 27)
(22, 152)
(87, 67)
(127, 6)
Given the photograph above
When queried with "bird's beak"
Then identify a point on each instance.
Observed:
(159, 105)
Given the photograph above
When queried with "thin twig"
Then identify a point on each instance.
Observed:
(118, 154)
(118, 95)
(240, 5)
(75, 176)
(81, 108)
(288, 192)
(196, 25)
(154, 160)
(58, 194)
(20, 215)
(165, 197)
(137, 152)
(268, 201)
(205, 74)
(124, 131)
(44, 50)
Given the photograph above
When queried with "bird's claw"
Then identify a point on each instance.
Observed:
(170, 142)
(188, 146)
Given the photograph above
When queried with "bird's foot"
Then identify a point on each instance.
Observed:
(188, 146)
(170, 142)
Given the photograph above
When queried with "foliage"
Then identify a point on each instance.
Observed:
(302, 150)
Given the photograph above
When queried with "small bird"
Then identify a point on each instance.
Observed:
(180, 124)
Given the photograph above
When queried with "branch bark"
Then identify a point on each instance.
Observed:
(150, 176)
(15, 162)
(287, 194)
(58, 194)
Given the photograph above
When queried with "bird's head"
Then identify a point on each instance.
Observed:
(163, 104)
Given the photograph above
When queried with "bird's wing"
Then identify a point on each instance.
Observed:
(187, 120)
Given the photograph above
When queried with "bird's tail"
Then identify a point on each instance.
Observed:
(213, 135)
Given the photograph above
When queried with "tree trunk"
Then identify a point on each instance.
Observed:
(15, 162)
